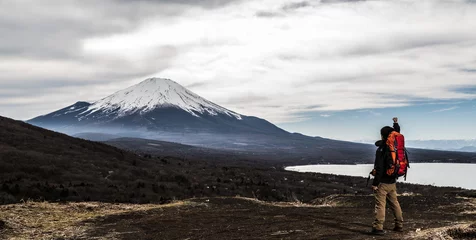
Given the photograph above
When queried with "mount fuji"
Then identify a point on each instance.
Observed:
(161, 109)
(153, 107)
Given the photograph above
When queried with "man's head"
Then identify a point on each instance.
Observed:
(385, 131)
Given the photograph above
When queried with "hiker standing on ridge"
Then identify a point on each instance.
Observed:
(384, 185)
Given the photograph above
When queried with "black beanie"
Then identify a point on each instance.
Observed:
(385, 131)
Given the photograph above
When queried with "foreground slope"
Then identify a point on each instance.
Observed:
(40, 164)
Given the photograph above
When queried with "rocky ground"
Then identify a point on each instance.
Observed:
(332, 217)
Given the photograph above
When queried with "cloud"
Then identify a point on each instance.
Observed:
(325, 115)
(43, 63)
(374, 113)
(276, 59)
(445, 109)
(341, 1)
(295, 5)
(266, 14)
(200, 3)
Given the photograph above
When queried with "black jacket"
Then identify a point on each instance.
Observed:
(396, 127)
(383, 159)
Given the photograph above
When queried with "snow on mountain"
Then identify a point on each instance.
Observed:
(152, 106)
(155, 93)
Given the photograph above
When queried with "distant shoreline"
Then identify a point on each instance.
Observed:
(419, 173)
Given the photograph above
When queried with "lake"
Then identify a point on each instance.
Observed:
(437, 174)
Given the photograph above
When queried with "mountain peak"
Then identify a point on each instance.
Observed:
(153, 108)
(154, 93)
(155, 80)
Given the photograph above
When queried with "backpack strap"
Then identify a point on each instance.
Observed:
(408, 162)
(406, 155)
(396, 149)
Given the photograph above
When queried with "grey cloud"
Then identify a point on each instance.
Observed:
(44, 93)
(267, 14)
(107, 71)
(99, 69)
(341, 1)
(363, 77)
(264, 106)
(295, 5)
(27, 90)
(249, 98)
(311, 107)
(13, 105)
(371, 112)
(197, 85)
(201, 3)
(31, 30)
(290, 57)
(286, 8)
(53, 30)
(399, 42)
(467, 89)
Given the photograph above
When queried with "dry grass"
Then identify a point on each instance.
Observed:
(43, 220)
(282, 204)
(462, 230)
(470, 206)
(457, 231)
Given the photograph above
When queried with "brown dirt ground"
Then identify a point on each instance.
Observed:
(334, 217)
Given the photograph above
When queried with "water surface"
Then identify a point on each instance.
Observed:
(437, 174)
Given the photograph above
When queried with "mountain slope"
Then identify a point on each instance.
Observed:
(152, 105)
(40, 164)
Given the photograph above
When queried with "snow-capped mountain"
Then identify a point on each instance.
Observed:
(156, 93)
(152, 105)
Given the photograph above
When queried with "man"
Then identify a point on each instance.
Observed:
(384, 186)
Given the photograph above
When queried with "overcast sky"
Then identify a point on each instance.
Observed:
(304, 65)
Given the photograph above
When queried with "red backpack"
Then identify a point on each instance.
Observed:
(399, 165)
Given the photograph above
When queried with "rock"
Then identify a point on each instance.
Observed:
(2, 224)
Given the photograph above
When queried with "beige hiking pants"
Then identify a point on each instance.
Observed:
(387, 192)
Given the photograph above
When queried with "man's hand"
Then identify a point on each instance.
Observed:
(375, 188)
(395, 119)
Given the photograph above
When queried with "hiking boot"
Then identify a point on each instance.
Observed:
(377, 232)
(398, 229)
